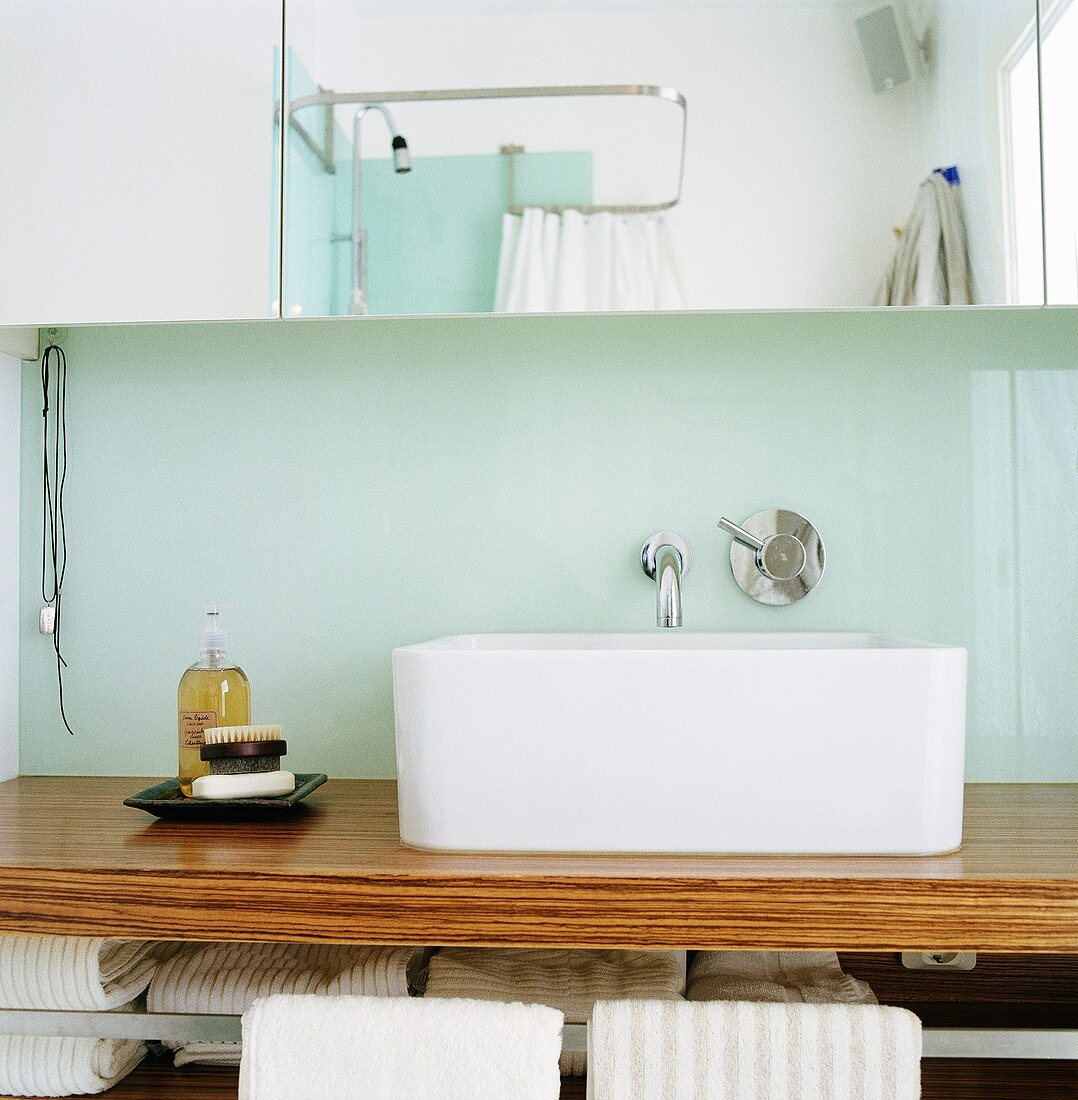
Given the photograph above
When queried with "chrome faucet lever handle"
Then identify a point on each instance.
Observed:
(739, 533)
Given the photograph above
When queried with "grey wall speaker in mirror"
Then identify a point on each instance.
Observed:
(885, 55)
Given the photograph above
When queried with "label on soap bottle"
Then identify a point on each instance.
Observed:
(192, 723)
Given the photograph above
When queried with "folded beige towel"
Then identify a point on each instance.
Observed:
(207, 1054)
(227, 978)
(658, 1050)
(812, 977)
(44, 1065)
(367, 1048)
(73, 972)
(570, 981)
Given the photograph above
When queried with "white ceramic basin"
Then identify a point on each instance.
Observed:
(672, 742)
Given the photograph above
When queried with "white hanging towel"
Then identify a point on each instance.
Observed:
(931, 265)
(227, 978)
(582, 263)
(366, 1048)
(44, 1065)
(736, 1050)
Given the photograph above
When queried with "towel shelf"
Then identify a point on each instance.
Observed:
(1024, 1043)
(181, 1026)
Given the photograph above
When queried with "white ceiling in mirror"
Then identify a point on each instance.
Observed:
(812, 141)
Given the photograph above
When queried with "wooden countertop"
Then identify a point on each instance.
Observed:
(74, 860)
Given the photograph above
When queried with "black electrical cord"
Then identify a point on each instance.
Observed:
(54, 475)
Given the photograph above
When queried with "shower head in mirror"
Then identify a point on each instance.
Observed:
(402, 159)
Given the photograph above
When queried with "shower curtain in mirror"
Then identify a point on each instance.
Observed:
(573, 262)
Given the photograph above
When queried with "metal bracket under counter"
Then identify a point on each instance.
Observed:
(939, 1042)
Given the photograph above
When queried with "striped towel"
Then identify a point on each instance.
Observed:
(79, 973)
(812, 977)
(570, 981)
(656, 1050)
(227, 978)
(45, 1065)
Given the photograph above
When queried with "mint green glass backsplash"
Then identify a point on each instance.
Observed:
(353, 486)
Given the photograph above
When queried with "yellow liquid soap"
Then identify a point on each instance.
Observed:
(212, 692)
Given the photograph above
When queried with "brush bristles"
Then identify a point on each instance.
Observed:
(223, 735)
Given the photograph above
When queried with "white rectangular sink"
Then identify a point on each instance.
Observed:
(672, 742)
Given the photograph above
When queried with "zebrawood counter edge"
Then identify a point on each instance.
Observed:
(75, 861)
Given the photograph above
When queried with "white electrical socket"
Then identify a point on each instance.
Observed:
(46, 620)
(939, 960)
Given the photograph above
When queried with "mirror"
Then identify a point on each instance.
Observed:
(418, 182)
(1059, 61)
(138, 160)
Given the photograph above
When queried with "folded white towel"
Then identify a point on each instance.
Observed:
(365, 1048)
(227, 978)
(813, 977)
(659, 1050)
(570, 981)
(44, 1065)
(73, 972)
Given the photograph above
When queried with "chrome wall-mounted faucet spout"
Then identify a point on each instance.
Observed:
(666, 558)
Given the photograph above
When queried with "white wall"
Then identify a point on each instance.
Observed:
(136, 159)
(10, 376)
(796, 171)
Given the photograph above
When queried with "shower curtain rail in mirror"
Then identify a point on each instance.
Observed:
(328, 98)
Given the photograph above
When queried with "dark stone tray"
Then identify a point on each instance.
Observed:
(166, 800)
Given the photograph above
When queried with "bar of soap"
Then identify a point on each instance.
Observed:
(244, 785)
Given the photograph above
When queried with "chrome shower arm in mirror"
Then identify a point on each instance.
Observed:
(330, 99)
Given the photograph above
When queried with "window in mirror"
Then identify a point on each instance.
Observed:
(138, 163)
(1020, 93)
(814, 134)
(1059, 60)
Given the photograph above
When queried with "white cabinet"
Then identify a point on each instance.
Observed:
(139, 164)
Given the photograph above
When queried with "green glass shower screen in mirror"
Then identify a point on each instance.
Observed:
(772, 155)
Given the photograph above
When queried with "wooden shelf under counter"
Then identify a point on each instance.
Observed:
(74, 860)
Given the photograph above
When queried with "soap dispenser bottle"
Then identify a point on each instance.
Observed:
(213, 692)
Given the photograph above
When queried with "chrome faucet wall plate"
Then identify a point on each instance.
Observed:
(777, 556)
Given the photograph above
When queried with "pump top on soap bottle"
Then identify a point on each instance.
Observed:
(212, 638)
(214, 691)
